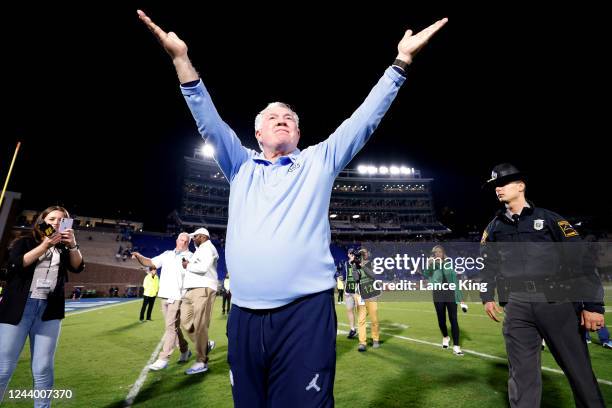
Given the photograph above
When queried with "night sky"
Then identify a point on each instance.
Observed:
(95, 101)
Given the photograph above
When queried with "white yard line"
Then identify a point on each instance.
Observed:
(129, 400)
(468, 314)
(483, 355)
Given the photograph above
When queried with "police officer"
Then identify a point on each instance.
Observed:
(523, 275)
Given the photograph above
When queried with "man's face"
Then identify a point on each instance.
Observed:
(182, 242)
(200, 239)
(510, 191)
(278, 132)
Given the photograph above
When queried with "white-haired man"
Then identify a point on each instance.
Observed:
(282, 326)
(171, 292)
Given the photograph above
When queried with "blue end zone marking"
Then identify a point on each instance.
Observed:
(90, 303)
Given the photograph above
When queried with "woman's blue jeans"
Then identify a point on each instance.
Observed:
(43, 342)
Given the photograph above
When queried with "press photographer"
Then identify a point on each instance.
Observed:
(360, 271)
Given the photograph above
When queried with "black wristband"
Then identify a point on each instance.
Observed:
(401, 64)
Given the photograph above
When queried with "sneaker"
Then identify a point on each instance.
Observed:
(361, 347)
(210, 346)
(352, 334)
(376, 344)
(457, 351)
(159, 365)
(464, 307)
(197, 368)
(588, 341)
(607, 344)
(543, 344)
(184, 356)
(445, 342)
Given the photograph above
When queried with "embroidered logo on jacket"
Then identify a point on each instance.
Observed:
(567, 229)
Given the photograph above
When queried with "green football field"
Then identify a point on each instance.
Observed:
(102, 353)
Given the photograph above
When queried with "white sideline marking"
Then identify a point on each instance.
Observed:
(459, 314)
(129, 400)
(102, 307)
(468, 314)
(544, 368)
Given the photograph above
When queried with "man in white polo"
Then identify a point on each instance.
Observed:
(171, 292)
(200, 283)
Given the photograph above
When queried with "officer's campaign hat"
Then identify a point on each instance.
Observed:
(504, 173)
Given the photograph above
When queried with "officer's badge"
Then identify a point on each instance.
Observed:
(493, 175)
(567, 229)
(538, 224)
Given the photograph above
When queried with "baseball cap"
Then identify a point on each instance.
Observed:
(202, 231)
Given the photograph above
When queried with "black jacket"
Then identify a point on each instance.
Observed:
(528, 248)
(19, 280)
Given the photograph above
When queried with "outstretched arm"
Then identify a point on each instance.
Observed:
(340, 148)
(229, 152)
(143, 260)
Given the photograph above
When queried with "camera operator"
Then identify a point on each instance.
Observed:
(350, 287)
(366, 296)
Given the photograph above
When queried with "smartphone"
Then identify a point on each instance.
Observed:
(65, 224)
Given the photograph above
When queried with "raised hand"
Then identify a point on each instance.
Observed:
(173, 45)
(51, 241)
(68, 237)
(411, 44)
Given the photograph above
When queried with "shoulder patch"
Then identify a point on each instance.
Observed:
(567, 229)
(485, 235)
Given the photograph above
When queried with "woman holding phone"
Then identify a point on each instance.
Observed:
(33, 303)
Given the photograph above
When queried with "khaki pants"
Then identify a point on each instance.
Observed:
(173, 336)
(196, 309)
(371, 309)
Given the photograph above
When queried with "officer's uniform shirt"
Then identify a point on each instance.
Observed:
(539, 259)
